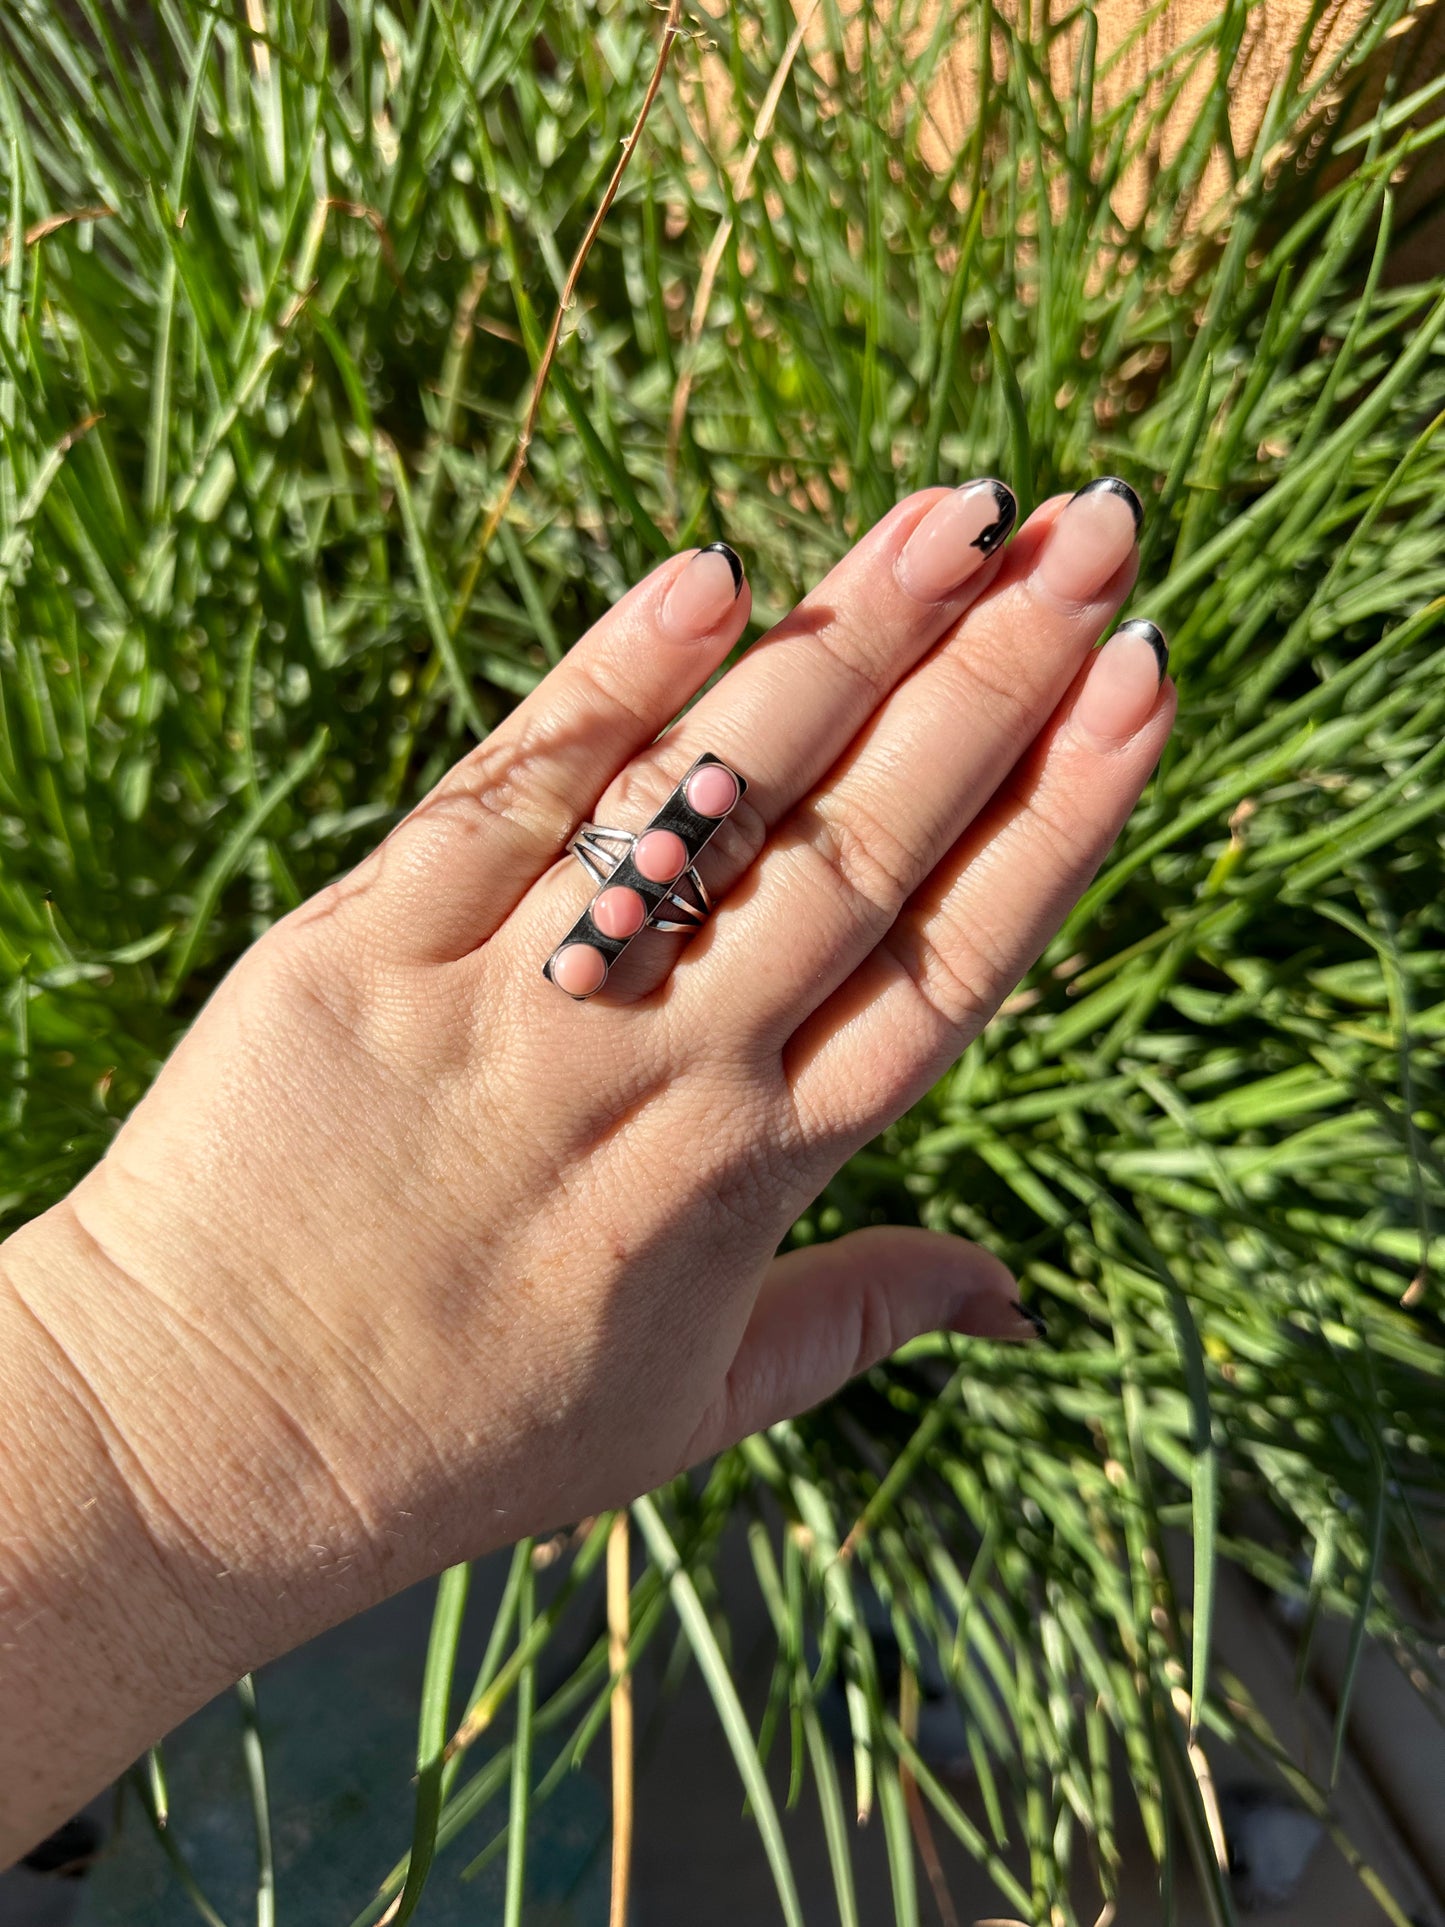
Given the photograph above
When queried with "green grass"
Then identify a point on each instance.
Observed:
(248, 459)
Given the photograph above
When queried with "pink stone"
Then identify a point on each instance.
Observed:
(660, 856)
(579, 969)
(619, 912)
(712, 790)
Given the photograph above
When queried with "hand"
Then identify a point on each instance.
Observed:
(407, 1253)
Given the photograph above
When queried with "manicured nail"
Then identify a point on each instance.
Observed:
(1032, 1319)
(988, 1314)
(702, 594)
(1153, 635)
(1092, 538)
(955, 539)
(1122, 685)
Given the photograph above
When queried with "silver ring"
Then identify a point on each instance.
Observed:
(600, 849)
(645, 880)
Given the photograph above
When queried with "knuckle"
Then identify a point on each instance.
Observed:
(308, 982)
(876, 1335)
(845, 646)
(286, 987)
(740, 840)
(1067, 844)
(1012, 703)
(637, 792)
(959, 978)
(299, 976)
(601, 686)
(512, 778)
(870, 861)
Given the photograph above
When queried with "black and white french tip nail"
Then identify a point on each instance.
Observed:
(997, 531)
(733, 560)
(1151, 633)
(1041, 1329)
(1115, 485)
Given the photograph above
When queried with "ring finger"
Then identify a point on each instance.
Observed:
(785, 712)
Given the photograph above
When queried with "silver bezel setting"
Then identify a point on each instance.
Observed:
(608, 856)
(601, 851)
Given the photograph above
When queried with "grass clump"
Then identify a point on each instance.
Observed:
(276, 282)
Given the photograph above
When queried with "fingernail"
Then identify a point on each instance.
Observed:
(1034, 1322)
(1122, 685)
(955, 539)
(1153, 635)
(990, 1315)
(1092, 538)
(703, 593)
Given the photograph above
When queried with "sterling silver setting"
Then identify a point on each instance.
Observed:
(645, 879)
(602, 851)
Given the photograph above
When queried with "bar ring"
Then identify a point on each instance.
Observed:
(648, 878)
(600, 850)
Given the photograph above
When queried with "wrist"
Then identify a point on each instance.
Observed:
(199, 1414)
(166, 1528)
(101, 1645)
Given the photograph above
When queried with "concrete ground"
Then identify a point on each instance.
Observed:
(339, 1719)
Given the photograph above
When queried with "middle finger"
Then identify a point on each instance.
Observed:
(784, 713)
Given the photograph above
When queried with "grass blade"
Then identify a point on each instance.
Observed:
(714, 1669)
(436, 1693)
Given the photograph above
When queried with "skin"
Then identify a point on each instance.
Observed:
(407, 1254)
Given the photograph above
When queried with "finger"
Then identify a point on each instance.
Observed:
(831, 1311)
(784, 713)
(448, 875)
(847, 860)
(982, 918)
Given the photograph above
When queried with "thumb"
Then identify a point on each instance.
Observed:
(829, 1312)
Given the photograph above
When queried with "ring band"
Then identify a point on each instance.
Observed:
(647, 878)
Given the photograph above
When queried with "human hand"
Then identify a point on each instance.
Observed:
(407, 1254)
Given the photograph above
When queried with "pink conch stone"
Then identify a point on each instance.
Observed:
(660, 856)
(712, 790)
(579, 969)
(619, 912)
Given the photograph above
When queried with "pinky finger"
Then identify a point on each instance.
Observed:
(983, 917)
(829, 1312)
